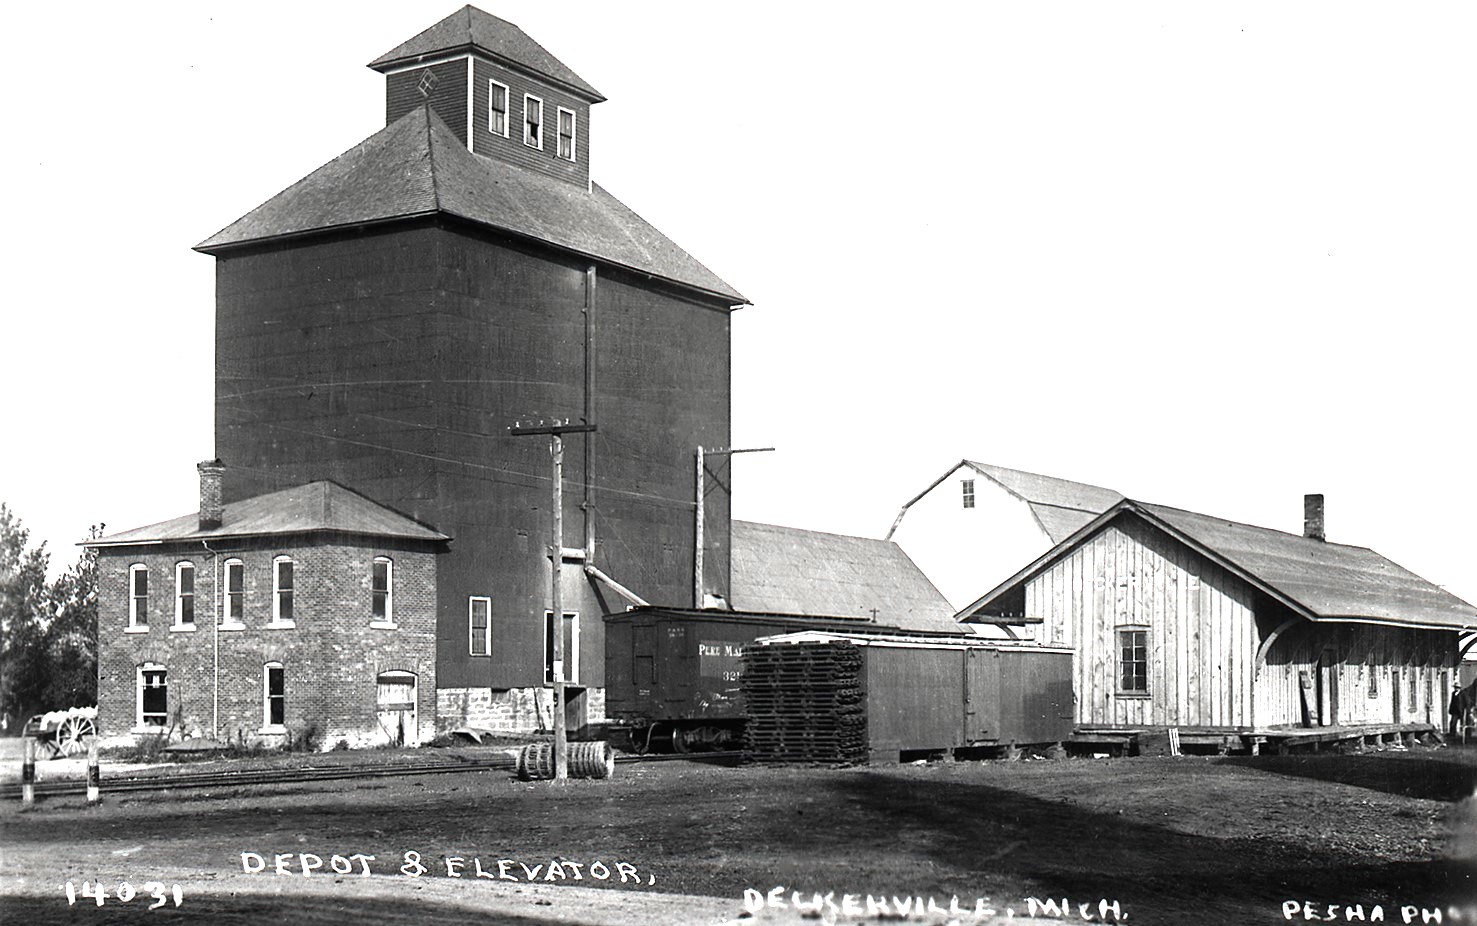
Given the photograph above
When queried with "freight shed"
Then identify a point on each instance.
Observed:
(848, 696)
(1185, 620)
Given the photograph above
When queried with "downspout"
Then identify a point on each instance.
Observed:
(215, 641)
(588, 503)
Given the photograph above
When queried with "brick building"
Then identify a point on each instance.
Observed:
(307, 612)
(382, 323)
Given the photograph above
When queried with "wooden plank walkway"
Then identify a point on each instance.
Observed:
(1129, 740)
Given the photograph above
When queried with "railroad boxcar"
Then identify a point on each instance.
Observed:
(907, 694)
(672, 674)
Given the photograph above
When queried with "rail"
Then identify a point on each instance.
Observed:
(238, 778)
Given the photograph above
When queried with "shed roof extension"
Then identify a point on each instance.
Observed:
(417, 167)
(1318, 580)
(471, 29)
(786, 570)
(317, 507)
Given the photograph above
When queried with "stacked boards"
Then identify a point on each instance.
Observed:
(805, 703)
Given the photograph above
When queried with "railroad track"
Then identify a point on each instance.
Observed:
(500, 761)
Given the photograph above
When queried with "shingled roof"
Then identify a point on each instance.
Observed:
(1318, 580)
(1059, 506)
(470, 29)
(417, 167)
(786, 570)
(317, 507)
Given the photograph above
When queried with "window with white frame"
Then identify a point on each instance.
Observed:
(566, 134)
(533, 121)
(138, 597)
(153, 695)
(184, 595)
(233, 603)
(274, 697)
(381, 591)
(479, 626)
(571, 647)
(967, 488)
(497, 108)
(282, 590)
(1133, 660)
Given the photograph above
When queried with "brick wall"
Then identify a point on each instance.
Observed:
(331, 656)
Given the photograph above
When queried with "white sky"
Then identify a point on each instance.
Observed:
(1211, 255)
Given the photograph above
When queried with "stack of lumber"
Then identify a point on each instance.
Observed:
(805, 703)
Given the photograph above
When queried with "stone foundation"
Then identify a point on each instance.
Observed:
(515, 710)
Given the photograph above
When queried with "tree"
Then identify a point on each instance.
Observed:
(71, 637)
(24, 601)
(48, 632)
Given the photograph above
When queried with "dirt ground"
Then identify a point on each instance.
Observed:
(1168, 840)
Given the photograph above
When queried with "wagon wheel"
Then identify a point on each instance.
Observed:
(73, 734)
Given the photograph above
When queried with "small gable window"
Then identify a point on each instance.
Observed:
(533, 121)
(566, 134)
(967, 485)
(497, 108)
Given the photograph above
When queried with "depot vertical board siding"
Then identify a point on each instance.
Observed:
(1202, 632)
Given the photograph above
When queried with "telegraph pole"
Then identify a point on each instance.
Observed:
(556, 431)
(697, 556)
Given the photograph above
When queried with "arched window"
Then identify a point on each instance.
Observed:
(153, 696)
(382, 592)
(233, 602)
(184, 596)
(138, 597)
(282, 590)
(274, 698)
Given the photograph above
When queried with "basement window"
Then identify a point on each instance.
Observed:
(497, 108)
(967, 486)
(184, 596)
(533, 121)
(1133, 661)
(479, 626)
(138, 597)
(381, 602)
(566, 134)
(571, 647)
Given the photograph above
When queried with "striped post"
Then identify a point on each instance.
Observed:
(28, 772)
(94, 779)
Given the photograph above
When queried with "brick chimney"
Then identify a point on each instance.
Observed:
(1313, 517)
(212, 510)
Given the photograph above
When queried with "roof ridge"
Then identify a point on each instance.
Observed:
(431, 153)
(1249, 525)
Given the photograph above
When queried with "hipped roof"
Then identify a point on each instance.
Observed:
(786, 570)
(417, 167)
(1318, 580)
(471, 29)
(317, 507)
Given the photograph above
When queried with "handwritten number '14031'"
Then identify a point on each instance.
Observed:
(95, 891)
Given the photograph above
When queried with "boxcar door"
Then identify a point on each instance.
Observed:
(981, 695)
